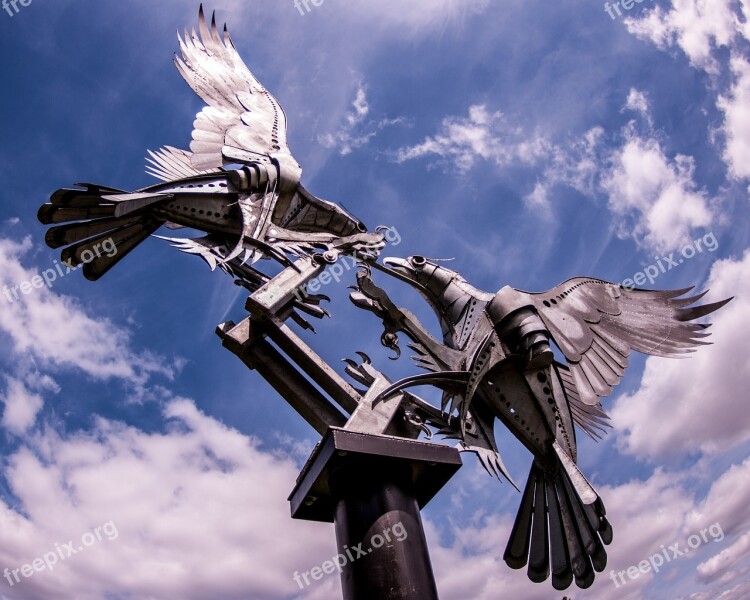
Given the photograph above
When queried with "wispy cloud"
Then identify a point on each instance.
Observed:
(418, 16)
(357, 130)
(653, 198)
(482, 135)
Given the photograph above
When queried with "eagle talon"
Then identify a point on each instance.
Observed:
(365, 359)
(415, 420)
(361, 372)
(390, 341)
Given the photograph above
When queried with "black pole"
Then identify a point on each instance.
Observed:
(373, 488)
(379, 532)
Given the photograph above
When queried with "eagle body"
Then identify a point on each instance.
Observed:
(238, 183)
(495, 363)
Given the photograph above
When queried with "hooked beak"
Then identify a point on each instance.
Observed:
(402, 269)
(400, 266)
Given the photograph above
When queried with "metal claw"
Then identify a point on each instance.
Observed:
(364, 357)
(417, 421)
(316, 298)
(390, 341)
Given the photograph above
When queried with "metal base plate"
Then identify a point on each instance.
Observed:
(432, 466)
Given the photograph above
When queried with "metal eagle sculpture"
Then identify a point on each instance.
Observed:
(495, 362)
(258, 209)
(240, 184)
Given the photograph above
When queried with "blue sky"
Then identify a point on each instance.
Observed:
(531, 141)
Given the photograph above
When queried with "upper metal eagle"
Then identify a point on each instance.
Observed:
(258, 209)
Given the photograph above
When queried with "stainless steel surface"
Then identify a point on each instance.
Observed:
(257, 210)
(240, 184)
(495, 362)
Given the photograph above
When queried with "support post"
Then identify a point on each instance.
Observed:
(373, 488)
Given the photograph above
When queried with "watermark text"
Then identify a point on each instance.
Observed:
(61, 552)
(58, 271)
(397, 533)
(667, 554)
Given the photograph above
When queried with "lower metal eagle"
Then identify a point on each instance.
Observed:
(496, 362)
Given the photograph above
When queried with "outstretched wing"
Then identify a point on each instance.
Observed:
(597, 324)
(243, 122)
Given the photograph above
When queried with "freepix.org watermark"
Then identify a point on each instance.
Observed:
(663, 264)
(12, 6)
(58, 271)
(61, 552)
(667, 554)
(625, 4)
(397, 533)
(303, 6)
(345, 264)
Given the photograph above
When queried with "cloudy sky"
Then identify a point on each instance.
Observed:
(530, 140)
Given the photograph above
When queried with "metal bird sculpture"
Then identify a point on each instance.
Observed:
(240, 184)
(495, 362)
(257, 210)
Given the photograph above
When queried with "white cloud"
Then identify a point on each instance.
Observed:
(361, 107)
(21, 407)
(736, 109)
(725, 502)
(482, 135)
(647, 516)
(538, 199)
(655, 197)
(697, 404)
(356, 132)
(717, 565)
(698, 27)
(200, 511)
(55, 330)
(638, 101)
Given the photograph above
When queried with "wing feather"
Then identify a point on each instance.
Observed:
(242, 119)
(590, 418)
(597, 324)
(171, 164)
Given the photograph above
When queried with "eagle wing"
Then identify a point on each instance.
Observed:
(242, 122)
(597, 324)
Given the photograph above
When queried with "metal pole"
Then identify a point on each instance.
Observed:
(372, 501)
(373, 488)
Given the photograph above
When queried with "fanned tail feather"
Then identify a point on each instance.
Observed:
(556, 533)
(98, 225)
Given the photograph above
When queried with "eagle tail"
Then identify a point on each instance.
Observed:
(555, 531)
(98, 226)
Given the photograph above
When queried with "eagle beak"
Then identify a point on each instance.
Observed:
(401, 266)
